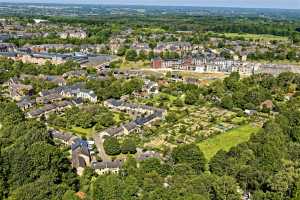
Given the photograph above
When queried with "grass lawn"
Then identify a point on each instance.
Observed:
(227, 140)
(264, 37)
(135, 65)
(82, 131)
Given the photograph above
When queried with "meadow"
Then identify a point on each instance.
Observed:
(227, 140)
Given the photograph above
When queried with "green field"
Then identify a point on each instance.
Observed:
(82, 131)
(227, 140)
(263, 37)
(135, 65)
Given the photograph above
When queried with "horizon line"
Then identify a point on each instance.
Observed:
(148, 5)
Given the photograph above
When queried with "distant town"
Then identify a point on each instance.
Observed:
(133, 102)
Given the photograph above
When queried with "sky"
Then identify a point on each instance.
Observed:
(293, 4)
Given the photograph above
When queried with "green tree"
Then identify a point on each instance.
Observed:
(190, 154)
(112, 146)
(131, 55)
(128, 146)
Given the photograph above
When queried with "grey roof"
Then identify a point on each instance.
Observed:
(143, 120)
(60, 135)
(115, 102)
(81, 162)
(108, 164)
(39, 111)
(148, 154)
(114, 130)
(82, 145)
(130, 126)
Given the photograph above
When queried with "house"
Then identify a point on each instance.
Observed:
(61, 136)
(44, 110)
(107, 167)
(80, 155)
(75, 73)
(143, 155)
(18, 90)
(61, 105)
(138, 47)
(38, 112)
(26, 103)
(113, 131)
(80, 34)
(59, 80)
(87, 94)
(150, 87)
(129, 127)
(77, 101)
(49, 98)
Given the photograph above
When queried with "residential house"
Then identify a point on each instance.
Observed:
(150, 87)
(107, 167)
(26, 103)
(80, 34)
(143, 155)
(87, 94)
(65, 138)
(80, 155)
(18, 90)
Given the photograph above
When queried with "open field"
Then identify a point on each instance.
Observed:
(135, 65)
(263, 37)
(227, 140)
(82, 131)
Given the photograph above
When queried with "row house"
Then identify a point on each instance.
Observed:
(48, 108)
(87, 94)
(7, 47)
(146, 115)
(79, 34)
(26, 103)
(18, 90)
(138, 47)
(59, 80)
(115, 44)
(107, 167)
(81, 157)
(65, 138)
(178, 47)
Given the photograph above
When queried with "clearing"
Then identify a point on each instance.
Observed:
(227, 140)
(262, 37)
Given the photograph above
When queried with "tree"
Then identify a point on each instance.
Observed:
(191, 98)
(131, 55)
(128, 146)
(227, 102)
(189, 154)
(142, 55)
(112, 146)
(107, 188)
(217, 164)
(70, 195)
(121, 51)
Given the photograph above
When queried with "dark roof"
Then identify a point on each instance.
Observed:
(148, 154)
(130, 126)
(81, 162)
(115, 102)
(143, 120)
(108, 164)
(114, 130)
(77, 101)
(82, 144)
(60, 135)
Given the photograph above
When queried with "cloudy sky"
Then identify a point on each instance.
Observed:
(294, 4)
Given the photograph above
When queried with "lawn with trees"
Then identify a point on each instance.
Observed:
(225, 141)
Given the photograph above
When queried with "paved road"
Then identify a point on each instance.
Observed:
(99, 143)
